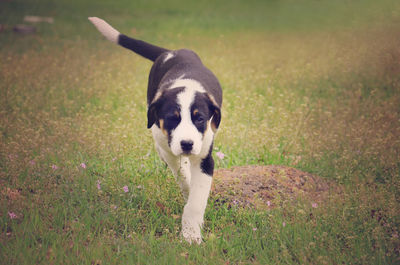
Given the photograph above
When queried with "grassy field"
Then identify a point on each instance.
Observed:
(310, 84)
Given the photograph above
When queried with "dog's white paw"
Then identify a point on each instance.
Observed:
(191, 230)
(191, 234)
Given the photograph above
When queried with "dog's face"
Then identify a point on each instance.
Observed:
(184, 115)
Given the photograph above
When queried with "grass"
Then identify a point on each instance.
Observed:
(313, 85)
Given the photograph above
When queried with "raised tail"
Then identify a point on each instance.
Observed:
(142, 48)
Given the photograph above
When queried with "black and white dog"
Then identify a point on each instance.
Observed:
(184, 111)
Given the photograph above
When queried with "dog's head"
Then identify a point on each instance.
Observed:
(184, 115)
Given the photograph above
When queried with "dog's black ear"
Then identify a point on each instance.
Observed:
(216, 118)
(152, 114)
(215, 114)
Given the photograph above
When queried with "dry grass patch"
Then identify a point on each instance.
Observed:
(267, 187)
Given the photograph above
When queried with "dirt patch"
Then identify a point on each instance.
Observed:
(269, 186)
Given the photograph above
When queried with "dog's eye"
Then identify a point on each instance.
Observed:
(172, 118)
(199, 119)
(171, 121)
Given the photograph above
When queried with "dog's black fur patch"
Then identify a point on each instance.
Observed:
(142, 48)
(207, 164)
(164, 109)
(200, 111)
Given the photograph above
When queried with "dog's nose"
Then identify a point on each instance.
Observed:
(187, 146)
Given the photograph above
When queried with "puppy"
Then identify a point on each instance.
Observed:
(184, 111)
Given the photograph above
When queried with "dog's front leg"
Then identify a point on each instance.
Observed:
(180, 167)
(193, 212)
(184, 177)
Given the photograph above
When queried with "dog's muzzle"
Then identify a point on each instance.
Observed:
(187, 146)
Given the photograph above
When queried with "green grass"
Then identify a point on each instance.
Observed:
(309, 84)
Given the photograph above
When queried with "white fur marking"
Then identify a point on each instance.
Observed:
(169, 56)
(181, 82)
(109, 32)
(188, 83)
(186, 130)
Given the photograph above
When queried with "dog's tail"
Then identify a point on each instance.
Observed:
(142, 48)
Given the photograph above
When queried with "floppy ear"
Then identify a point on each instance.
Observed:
(216, 118)
(152, 115)
(215, 113)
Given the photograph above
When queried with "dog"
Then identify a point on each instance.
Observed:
(184, 100)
